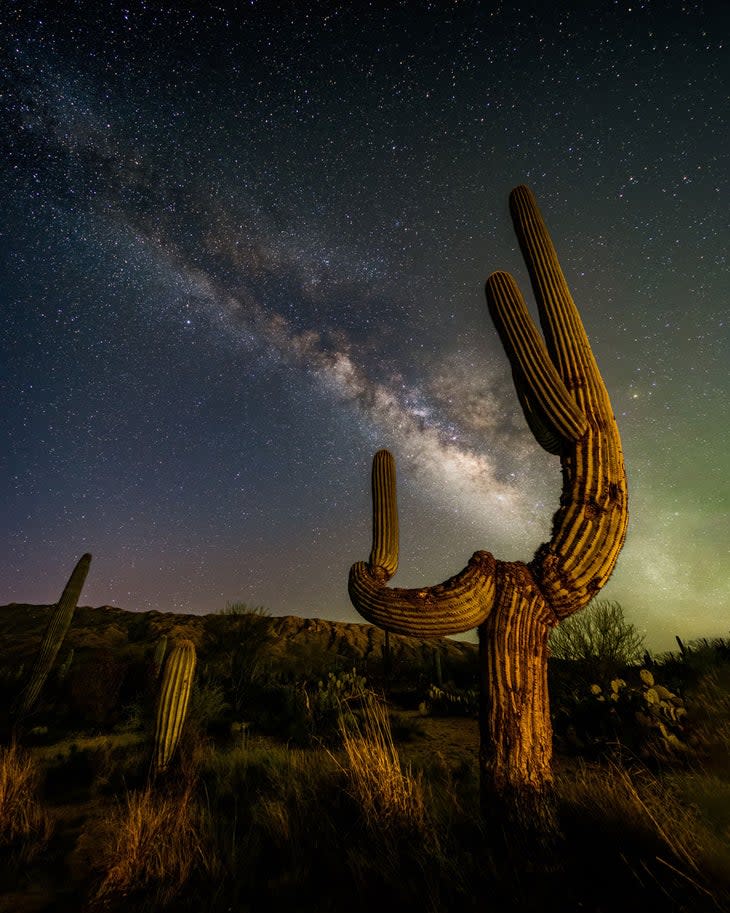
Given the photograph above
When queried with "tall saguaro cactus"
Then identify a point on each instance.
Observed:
(513, 604)
(172, 706)
(54, 636)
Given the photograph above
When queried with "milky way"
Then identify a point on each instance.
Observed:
(245, 248)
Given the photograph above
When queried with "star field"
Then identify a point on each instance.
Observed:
(244, 246)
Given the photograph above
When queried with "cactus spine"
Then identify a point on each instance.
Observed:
(55, 633)
(514, 604)
(172, 706)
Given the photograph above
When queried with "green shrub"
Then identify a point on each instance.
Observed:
(94, 685)
(598, 640)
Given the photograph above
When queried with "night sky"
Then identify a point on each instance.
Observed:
(243, 246)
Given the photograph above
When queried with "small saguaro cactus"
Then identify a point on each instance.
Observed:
(516, 604)
(54, 636)
(172, 706)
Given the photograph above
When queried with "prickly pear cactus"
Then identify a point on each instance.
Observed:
(663, 713)
(640, 715)
(451, 702)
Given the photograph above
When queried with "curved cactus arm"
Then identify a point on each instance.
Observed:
(459, 604)
(589, 527)
(55, 633)
(550, 410)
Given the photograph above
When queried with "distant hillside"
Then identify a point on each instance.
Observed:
(336, 643)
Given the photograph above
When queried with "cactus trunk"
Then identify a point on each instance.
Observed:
(54, 636)
(513, 604)
(514, 713)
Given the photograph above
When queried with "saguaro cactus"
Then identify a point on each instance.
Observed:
(513, 604)
(53, 638)
(172, 706)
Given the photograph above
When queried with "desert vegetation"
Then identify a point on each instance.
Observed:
(239, 761)
(307, 784)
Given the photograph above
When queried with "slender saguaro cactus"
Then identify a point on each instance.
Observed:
(513, 604)
(172, 707)
(53, 638)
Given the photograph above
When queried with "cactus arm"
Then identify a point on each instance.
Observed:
(384, 553)
(458, 604)
(589, 527)
(177, 683)
(544, 434)
(55, 633)
(550, 410)
(565, 336)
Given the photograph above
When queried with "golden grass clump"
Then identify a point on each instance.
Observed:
(25, 826)
(389, 795)
(155, 842)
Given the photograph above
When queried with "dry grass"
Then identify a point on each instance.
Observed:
(155, 843)
(390, 795)
(652, 829)
(709, 706)
(25, 826)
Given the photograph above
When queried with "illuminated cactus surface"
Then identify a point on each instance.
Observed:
(54, 636)
(172, 707)
(516, 604)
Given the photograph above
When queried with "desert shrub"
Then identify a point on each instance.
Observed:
(94, 685)
(333, 698)
(309, 660)
(683, 670)
(237, 642)
(279, 709)
(598, 640)
(305, 713)
(141, 676)
(25, 827)
(208, 709)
